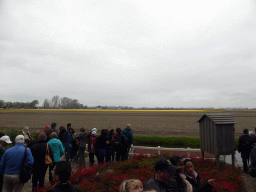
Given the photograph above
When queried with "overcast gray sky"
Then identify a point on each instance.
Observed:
(140, 53)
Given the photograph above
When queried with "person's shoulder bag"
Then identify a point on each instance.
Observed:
(48, 159)
(25, 170)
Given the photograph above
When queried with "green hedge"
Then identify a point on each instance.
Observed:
(171, 142)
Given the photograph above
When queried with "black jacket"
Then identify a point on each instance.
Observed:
(48, 133)
(160, 186)
(196, 184)
(101, 142)
(82, 139)
(62, 136)
(38, 151)
(245, 144)
(2, 150)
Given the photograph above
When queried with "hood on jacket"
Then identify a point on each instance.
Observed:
(126, 130)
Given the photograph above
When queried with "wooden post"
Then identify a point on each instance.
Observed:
(218, 160)
(233, 159)
(159, 151)
(202, 153)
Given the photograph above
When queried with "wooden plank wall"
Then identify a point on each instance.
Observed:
(216, 139)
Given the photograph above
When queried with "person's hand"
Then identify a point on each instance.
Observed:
(211, 182)
(182, 176)
(107, 142)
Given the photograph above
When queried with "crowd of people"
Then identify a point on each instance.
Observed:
(64, 146)
(60, 145)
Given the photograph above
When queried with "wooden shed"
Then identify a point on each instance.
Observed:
(217, 134)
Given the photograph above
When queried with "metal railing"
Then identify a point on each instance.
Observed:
(159, 149)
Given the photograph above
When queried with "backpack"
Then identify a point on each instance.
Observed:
(126, 137)
(247, 145)
(117, 140)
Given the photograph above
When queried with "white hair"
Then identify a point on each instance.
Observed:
(252, 133)
(19, 139)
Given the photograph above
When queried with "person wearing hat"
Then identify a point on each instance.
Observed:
(46, 128)
(91, 147)
(4, 140)
(163, 179)
(11, 163)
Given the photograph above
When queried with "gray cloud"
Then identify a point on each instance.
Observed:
(135, 53)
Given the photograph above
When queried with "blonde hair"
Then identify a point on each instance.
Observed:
(125, 185)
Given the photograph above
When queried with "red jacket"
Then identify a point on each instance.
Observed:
(90, 142)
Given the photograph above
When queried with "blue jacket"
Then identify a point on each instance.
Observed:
(68, 139)
(12, 159)
(57, 148)
(128, 136)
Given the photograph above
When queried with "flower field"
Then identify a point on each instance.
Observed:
(100, 178)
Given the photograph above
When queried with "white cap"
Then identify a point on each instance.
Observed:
(94, 129)
(6, 139)
(94, 133)
(19, 139)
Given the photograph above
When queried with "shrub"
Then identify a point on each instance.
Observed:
(100, 178)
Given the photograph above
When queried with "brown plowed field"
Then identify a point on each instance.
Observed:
(143, 123)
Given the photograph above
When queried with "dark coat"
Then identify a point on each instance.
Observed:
(245, 145)
(101, 142)
(62, 136)
(196, 184)
(160, 186)
(31, 143)
(119, 147)
(82, 139)
(253, 157)
(38, 151)
(49, 131)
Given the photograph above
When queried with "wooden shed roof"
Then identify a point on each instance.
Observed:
(219, 118)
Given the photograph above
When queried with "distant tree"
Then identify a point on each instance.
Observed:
(8, 105)
(66, 102)
(33, 104)
(47, 104)
(17, 105)
(2, 103)
(26, 105)
(75, 104)
(55, 101)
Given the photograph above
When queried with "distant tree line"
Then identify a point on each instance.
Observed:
(56, 102)
(18, 105)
